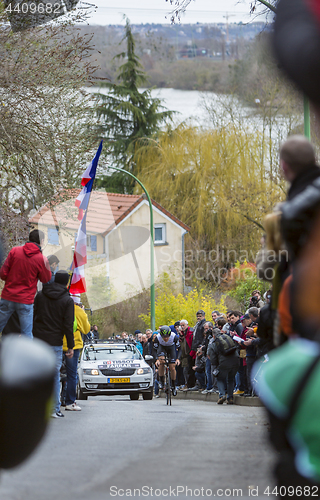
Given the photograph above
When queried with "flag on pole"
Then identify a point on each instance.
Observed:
(78, 283)
(88, 177)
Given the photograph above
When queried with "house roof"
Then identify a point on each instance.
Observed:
(106, 210)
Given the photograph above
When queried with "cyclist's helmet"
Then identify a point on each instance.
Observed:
(165, 331)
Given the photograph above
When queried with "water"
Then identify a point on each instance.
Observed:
(187, 103)
(190, 106)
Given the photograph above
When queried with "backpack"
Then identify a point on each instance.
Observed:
(226, 345)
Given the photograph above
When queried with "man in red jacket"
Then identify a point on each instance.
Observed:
(21, 271)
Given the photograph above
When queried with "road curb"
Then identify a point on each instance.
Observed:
(213, 398)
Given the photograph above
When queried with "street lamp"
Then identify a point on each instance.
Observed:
(152, 287)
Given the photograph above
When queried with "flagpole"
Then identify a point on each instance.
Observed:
(152, 286)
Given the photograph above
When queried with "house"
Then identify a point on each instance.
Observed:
(118, 242)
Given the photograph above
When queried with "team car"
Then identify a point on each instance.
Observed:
(112, 369)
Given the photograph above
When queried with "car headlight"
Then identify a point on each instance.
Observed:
(141, 371)
(90, 372)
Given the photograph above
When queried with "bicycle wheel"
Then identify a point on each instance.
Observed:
(169, 387)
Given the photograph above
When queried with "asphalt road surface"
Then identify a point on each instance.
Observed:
(117, 448)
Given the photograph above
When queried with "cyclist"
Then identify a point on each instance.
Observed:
(167, 343)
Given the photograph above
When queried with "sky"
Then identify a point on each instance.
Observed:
(158, 11)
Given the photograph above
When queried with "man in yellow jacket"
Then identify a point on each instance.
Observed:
(83, 327)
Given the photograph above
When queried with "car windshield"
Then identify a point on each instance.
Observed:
(111, 353)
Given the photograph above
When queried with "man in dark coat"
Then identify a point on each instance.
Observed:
(54, 318)
(198, 331)
(223, 355)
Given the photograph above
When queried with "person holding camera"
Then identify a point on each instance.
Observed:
(255, 299)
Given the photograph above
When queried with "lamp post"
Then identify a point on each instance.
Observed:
(152, 287)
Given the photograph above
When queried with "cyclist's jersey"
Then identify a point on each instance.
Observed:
(170, 348)
(173, 340)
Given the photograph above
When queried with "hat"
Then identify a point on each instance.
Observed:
(61, 277)
(76, 298)
(137, 331)
(245, 316)
(177, 323)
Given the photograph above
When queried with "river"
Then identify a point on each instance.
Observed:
(189, 105)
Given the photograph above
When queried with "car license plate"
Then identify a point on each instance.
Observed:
(118, 380)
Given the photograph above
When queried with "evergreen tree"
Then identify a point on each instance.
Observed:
(126, 116)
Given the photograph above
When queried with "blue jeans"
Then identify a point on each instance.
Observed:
(25, 314)
(56, 386)
(201, 378)
(208, 375)
(225, 381)
(72, 377)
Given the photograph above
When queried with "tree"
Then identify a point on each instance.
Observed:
(46, 118)
(217, 181)
(127, 115)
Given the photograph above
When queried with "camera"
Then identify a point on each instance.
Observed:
(254, 300)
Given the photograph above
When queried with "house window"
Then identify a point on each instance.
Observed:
(92, 243)
(53, 236)
(160, 234)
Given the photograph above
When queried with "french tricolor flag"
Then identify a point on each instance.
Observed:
(87, 182)
(78, 283)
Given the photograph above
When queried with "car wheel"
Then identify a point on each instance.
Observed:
(80, 395)
(134, 397)
(147, 396)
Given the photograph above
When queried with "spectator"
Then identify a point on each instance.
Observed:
(149, 333)
(236, 329)
(20, 272)
(54, 263)
(54, 318)
(199, 369)
(94, 333)
(247, 336)
(83, 327)
(235, 323)
(225, 362)
(226, 326)
(254, 315)
(145, 345)
(175, 328)
(255, 300)
(264, 342)
(215, 315)
(198, 330)
(138, 341)
(221, 324)
(184, 363)
(208, 327)
(124, 336)
(188, 335)
(149, 338)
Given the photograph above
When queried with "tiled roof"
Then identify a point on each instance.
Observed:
(106, 210)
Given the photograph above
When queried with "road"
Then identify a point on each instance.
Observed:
(115, 445)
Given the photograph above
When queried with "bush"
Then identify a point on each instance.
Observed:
(171, 307)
